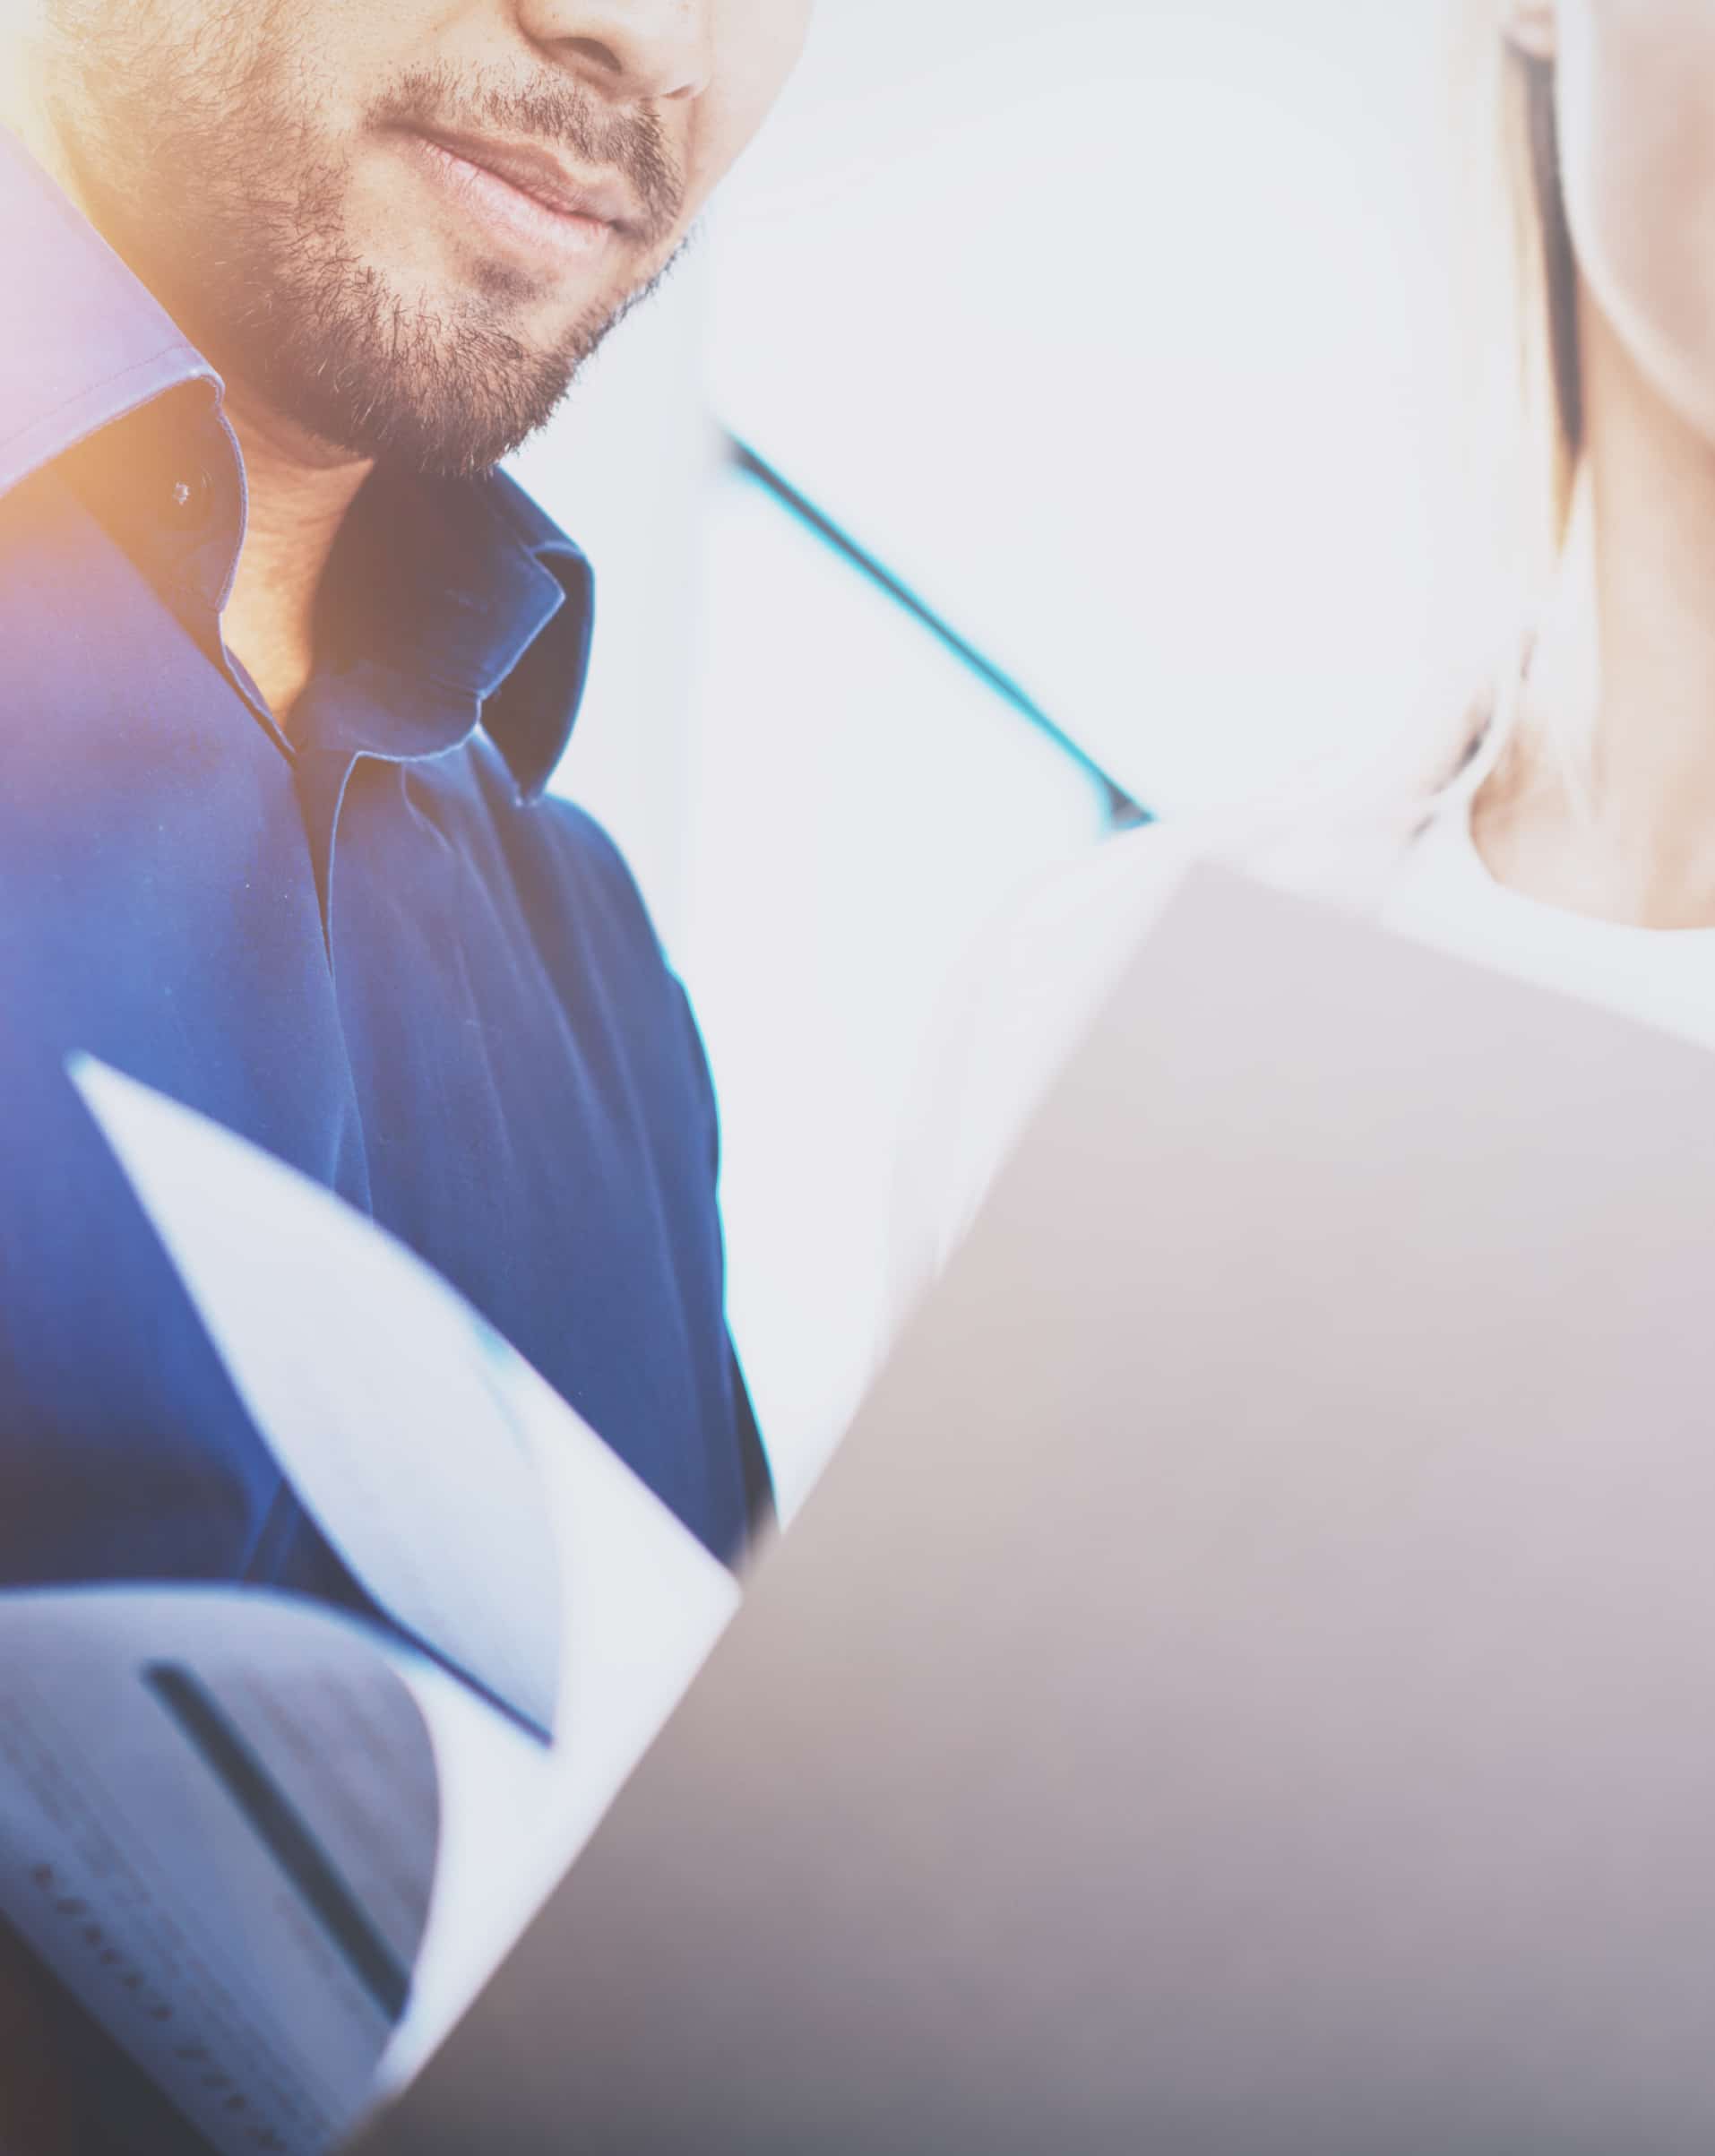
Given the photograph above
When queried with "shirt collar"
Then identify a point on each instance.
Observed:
(87, 342)
(453, 601)
(488, 603)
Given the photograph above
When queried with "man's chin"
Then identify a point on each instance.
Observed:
(448, 409)
(445, 367)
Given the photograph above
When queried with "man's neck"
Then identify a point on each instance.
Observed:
(300, 492)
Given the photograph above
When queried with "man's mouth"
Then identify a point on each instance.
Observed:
(528, 199)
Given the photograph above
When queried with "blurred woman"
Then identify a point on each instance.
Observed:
(1565, 829)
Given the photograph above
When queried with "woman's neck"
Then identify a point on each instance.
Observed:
(1622, 824)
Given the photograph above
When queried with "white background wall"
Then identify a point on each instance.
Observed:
(1123, 330)
(627, 468)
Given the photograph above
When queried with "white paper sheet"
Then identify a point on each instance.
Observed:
(644, 1605)
(379, 1390)
(479, 1511)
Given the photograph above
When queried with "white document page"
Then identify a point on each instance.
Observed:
(644, 1604)
(1278, 1723)
(425, 1444)
(379, 1390)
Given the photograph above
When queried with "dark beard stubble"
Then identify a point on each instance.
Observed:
(203, 172)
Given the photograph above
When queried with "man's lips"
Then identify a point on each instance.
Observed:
(527, 197)
(551, 181)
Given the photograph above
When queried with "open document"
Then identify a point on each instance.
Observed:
(1243, 1687)
(277, 1850)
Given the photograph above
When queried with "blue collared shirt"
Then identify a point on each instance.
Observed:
(374, 947)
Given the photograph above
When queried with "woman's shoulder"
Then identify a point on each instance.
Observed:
(1035, 979)
(1031, 988)
(1103, 896)
(1019, 1002)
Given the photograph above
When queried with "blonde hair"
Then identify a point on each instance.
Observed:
(1516, 403)
(1546, 274)
(1520, 394)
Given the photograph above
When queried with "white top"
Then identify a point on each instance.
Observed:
(1031, 990)
(1444, 894)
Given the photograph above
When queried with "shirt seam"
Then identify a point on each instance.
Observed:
(93, 389)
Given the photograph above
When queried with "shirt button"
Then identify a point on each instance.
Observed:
(192, 498)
